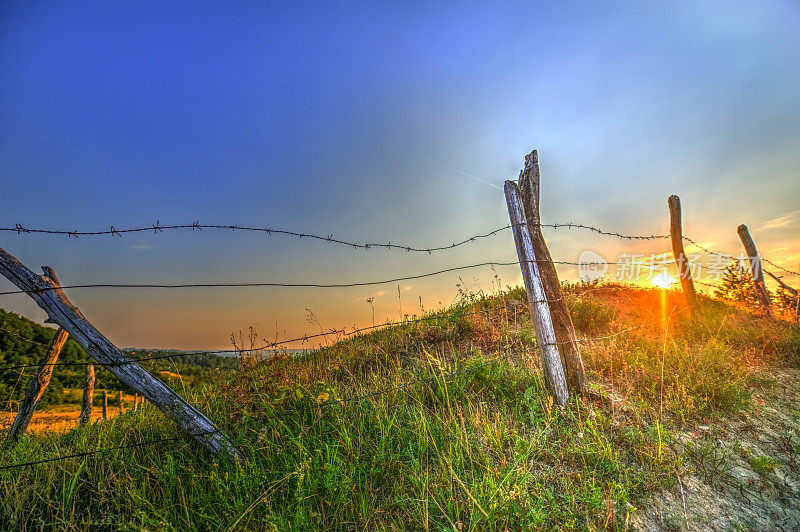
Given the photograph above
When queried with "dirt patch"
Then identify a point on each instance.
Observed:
(740, 473)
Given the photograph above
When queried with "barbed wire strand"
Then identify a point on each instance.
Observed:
(97, 451)
(302, 285)
(197, 226)
(731, 257)
(157, 228)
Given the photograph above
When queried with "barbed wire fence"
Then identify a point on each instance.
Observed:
(342, 333)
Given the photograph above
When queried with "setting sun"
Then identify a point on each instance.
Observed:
(663, 281)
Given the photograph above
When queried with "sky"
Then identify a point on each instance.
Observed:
(380, 121)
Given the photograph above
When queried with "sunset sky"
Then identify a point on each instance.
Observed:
(378, 122)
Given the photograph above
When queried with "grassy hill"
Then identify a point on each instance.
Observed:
(445, 424)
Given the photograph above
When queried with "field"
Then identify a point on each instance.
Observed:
(64, 417)
(445, 424)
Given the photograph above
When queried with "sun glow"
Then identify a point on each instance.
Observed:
(663, 281)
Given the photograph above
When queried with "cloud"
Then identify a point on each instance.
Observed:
(140, 247)
(781, 221)
(379, 293)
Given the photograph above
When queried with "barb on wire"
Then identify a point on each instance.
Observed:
(779, 267)
(603, 232)
(710, 252)
(705, 284)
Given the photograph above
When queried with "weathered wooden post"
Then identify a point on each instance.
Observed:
(105, 405)
(540, 312)
(49, 296)
(136, 401)
(676, 235)
(529, 184)
(88, 396)
(797, 308)
(121, 406)
(755, 268)
(37, 386)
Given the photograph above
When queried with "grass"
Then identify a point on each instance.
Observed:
(763, 464)
(473, 444)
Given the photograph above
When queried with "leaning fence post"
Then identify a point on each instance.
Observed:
(797, 309)
(537, 300)
(37, 386)
(755, 268)
(792, 292)
(105, 405)
(676, 235)
(88, 396)
(529, 183)
(49, 296)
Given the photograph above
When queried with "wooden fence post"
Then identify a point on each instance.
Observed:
(49, 296)
(676, 235)
(121, 407)
(797, 308)
(136, 401)
(540, 312)
(755, 268)
(88, 396)
(105, 405)
(37, 386)
(794, 293)
(529, 183)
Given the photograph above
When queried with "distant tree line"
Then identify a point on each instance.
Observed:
(15, 349)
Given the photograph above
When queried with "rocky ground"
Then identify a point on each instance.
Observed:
(739, 473)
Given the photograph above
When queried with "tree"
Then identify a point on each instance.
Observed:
(737, 286)
(785, 300)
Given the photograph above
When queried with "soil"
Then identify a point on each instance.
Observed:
(741, 472)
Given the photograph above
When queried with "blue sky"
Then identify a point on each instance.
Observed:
(367, 121)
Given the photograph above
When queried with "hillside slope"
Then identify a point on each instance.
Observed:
(444, 423)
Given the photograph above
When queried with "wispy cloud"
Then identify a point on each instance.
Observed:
(781, 221)
(372, 297)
